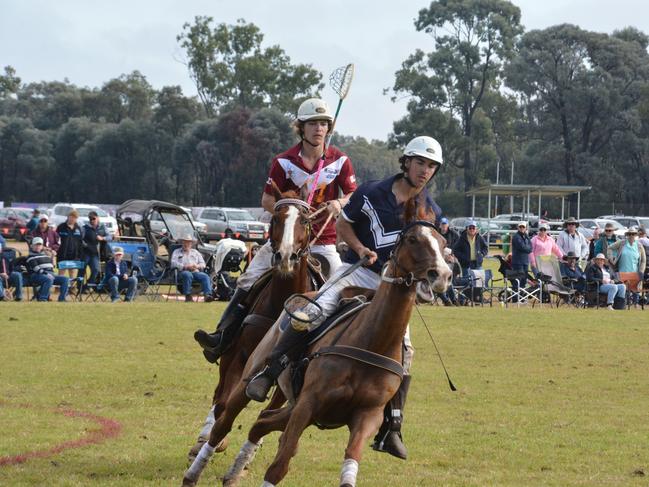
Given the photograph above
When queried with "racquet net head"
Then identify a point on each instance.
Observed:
(341, 79)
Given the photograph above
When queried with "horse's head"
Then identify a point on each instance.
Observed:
(290, 230)
(418, 255)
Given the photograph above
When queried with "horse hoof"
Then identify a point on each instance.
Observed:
(223, 444)
(233, 481)
(346, 485)
(188, 483)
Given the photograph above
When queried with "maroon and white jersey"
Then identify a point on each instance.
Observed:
(288, 172)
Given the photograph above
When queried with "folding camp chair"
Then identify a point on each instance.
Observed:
(523, 293)
(76, 284)
(548, 265)
(633, 284)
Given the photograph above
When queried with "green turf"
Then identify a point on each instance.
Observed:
(546, 397)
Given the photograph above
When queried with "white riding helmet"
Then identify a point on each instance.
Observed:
(314, 109)
(425, 147)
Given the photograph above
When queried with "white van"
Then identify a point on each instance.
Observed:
(59, 213)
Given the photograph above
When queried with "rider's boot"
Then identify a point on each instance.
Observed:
(259, 386)
(215, 344)
(389, 439)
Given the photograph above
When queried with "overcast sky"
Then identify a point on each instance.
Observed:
(91, 42)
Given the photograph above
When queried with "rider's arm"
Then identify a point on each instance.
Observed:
(346, 233)
(268, 202)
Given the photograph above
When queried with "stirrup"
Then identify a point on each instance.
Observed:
(260, 385)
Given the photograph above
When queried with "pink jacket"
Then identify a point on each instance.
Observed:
(544, 247)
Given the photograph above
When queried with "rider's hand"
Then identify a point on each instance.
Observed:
(370, 254)
(334, 207)
(3, 275)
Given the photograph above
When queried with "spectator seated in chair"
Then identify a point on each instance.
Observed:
(571, 271)
(117, 277)
(8, 276)
(449, 297)
(599, 272)
(41, 273)
(190, 265)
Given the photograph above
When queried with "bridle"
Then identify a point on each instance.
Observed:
(303, 207)
(409, 278)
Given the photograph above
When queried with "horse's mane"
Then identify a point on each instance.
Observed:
(416, 209)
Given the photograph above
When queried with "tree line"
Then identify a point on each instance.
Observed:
(566, 105)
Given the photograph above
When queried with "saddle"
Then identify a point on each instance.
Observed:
(353, 300)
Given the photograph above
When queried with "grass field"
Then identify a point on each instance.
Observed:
(546, 397)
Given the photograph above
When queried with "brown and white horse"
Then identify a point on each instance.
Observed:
(340, 390)
(289, 235)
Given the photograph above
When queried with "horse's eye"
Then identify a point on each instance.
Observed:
(412, 240)
(304, 221)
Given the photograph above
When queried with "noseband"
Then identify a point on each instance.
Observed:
(303, 207)
(410, 278)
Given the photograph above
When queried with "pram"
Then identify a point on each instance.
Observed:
(227, 260)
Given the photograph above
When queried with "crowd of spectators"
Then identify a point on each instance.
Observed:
(615, 267)
(87, 247)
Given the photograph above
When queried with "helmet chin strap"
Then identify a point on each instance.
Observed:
(408, 180)
(304, 139)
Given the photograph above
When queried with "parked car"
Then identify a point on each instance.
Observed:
(592, 223)
(232, 223)
(59, 213)
(200, 227)
(629, 221)
(13, 222)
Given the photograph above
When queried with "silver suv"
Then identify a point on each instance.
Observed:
(232, 223)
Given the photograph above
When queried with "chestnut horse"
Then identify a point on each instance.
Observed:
(340, 387)
(289, 235)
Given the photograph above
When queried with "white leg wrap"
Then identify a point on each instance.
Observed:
(267, 484)
(207, 425)
(349, 472)
(244, 457)
(196, 468)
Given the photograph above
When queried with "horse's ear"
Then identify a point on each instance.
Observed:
(276, 192)
(425, 214)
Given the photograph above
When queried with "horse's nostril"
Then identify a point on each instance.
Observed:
(432, 275)
(277, 258)
(294, 257)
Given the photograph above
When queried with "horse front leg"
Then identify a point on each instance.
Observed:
(223, 425)
(300, 418)
(270, 419)
(363, 426)
(230, 370)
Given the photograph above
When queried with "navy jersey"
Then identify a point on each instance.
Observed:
(377, 219)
